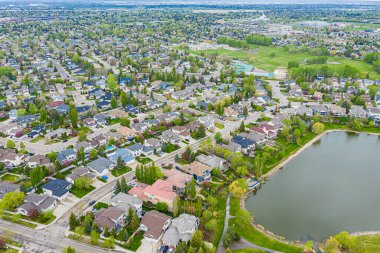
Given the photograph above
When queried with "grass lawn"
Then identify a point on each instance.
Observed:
(114, 121)
(9, 250)
(80, 193)
(9, 177)
(218, 125)
(17, 170)
(8, 217)
(101, 180)
(100, 205)
(248, 250)
(247, 231)
(170, 148)
(38, 138)
(120, 171)
(39, 219)
(135, 242)
(371, 243)
(144, 160)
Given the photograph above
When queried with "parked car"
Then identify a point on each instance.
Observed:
(165, 249)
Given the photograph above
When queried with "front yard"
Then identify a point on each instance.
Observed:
(168, 148)
(120, 171)
(143, 160)
(100, 205)
(80, 193)
(9, 177)
(135, 242)
(218, 125)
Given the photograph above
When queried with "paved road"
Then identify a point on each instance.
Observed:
(39, 148)
(105, 64)
(64, 74)
(51, 239)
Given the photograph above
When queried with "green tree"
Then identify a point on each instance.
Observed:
(123, 99)
(73, 222)
(81, 155)
(109, 242)
(238, 187)
(87, 223)
(162, 207)
(73, 115)
(318, 128)
(245, 111)
(11, 200)
(68, 250)
(83, 183)
(94, 237)
(10, 144)
(111, 82)
(191, 189)
(113, 102)
(93, 154)
(197, 239)
(242, 127)
(36, 175)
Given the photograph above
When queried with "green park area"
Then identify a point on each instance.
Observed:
(270, 58)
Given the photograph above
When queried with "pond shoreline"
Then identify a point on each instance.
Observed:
(280, 165)
(308, 144)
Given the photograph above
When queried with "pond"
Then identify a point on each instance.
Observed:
(242, 67)
(331, 186)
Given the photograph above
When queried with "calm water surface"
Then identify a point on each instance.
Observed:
(333, 185)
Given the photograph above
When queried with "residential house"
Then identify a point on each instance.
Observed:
(159, 191)
(319, 109)
(126, 201)
(178, 179)
(201, 172)
(230, 113)
(213, 161)
(34, 160)
(66, 156)
(132, 109)
(154, 143)
(126, 132)
(101, 166)
(358, 112)
(79, 172)
(111, 218)
(337, 111)
(87, 147)
(181, 229)
(304, 111)
(247, 145)
(125, 156)
(168, 136)
(101, 119)
(10, 158)
(207, 121)
(154, 224)
(37, 202)
(57, 188)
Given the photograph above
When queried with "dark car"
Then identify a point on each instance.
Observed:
(91, 202)
(166, 248)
